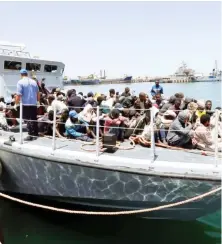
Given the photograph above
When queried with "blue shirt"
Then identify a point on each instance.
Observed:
(73, 129)
(156, 89)
(28, 90)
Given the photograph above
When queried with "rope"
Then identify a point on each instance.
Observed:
(146, 210)
(103, 149)
(141, 140)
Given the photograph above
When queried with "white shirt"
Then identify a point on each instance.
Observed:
(58, 105)
(2, 105)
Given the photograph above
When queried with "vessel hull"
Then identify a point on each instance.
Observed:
(105, 189)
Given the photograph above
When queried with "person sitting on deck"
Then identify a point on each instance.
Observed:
(167, 105)
(111, 99)
(176, 106)
(90, 100)
(192, 108)
(208, 107)
(126, 93)
(203, 135)
(2, 102)
(75, 129)
(75, 101)
(113, 124)
(45, 124)
(213, 123)
(163, 123)
(143, 103)
(103, 108)
(56, 104)
(88, 117)
(156, 89)
(3, 121)
(60, 125)
(158, 101)
(201, 108)
(180, 133)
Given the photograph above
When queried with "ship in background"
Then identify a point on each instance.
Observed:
(94, 79)
(81, 80)
(214, 76)
(104, 80)
(183, 73)
(89, 80)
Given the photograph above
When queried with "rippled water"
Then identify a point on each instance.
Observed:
(22, 224)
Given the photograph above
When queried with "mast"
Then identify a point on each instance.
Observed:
(216, 65)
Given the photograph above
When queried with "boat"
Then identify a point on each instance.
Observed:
(14, 57)
(182, 74)
(214, 76)
(125, 79)
(113, 182)
(89, 80)
(126, 177)
(66, 80)
(69, 172)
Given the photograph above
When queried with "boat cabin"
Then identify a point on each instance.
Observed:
(13, 58)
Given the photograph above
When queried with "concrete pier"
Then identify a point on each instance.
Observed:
(140, 80)
(173, 80)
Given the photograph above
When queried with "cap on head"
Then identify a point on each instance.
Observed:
(23, 72)
(73, 114)
(201, 104)
(170, 113)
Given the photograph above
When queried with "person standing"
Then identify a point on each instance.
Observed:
(28, 93)
(156, 89)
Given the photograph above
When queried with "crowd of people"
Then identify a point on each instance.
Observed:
(179, 121)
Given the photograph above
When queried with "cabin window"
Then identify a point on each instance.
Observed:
(62, 70)
(12, 65)
(50, 68)
(33, 66)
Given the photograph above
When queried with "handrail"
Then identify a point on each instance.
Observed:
(15, 53)
(152, 134)
(216, 137)
(97, 133)
(54, 130)
(98, 126)
(20, 123)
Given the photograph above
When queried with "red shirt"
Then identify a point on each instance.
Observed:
(113, 122)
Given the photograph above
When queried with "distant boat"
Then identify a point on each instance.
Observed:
(215, 76)
(210, 78)
(89, 80)
(125, 79)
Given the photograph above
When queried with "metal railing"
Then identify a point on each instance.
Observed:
(98, 127)
(16, 53)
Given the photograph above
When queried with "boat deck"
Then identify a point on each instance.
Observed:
(139, 152)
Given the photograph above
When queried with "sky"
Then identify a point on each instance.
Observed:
(133, 38)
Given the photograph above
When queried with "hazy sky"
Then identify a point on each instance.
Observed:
(137, 38)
